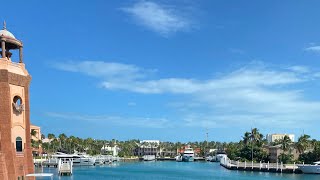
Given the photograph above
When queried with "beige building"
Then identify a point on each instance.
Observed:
(275, 151)
(35, 132)
(15, 147)
(274, 137)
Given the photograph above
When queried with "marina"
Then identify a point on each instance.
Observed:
(157, 170)
(125, 90)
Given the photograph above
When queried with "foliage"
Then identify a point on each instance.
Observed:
(251, 147)
(285, 158)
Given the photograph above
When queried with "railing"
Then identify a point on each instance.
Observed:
(279, 167)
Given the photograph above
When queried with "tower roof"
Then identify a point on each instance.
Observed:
(10, 40)
(5, 32)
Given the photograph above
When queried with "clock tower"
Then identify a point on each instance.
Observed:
(15, 144)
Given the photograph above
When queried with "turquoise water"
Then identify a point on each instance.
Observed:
(170, 170)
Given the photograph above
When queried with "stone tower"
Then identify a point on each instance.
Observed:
(15, 144)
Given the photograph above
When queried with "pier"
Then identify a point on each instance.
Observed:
(65, 167)
(260, 167)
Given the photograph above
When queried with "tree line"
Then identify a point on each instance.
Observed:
(252, 147)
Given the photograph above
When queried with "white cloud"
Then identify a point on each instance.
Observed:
(104, 69)
(299, 69)
(270, 97)
(315, 49)
(159, 18)
(115, 120)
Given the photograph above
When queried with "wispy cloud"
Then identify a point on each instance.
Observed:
(159, 18)
(315, 49)
(299, 69)
(257, 93)
(115, 120)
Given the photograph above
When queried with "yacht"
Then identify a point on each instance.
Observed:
(220, 156)
(311, 168)
(149, 157)
(188, 155)
(78, 159)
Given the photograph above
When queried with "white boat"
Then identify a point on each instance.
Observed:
(188, 155)
(179, 158)
(78, 159)
(310, 168)
(209, 158)
(220, 156)
(149, 157)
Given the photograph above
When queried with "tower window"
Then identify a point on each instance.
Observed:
(18, 144)
(17, 104)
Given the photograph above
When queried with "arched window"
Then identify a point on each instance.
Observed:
(18, 144)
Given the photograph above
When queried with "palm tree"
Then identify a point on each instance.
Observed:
(285, 143)
(285, 146)
(255, 137)
(33, 132)
(303, 143)
(62, 138)
(51, 136)
(246, 138)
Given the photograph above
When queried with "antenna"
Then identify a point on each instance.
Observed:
(207, 134)
(4, 25)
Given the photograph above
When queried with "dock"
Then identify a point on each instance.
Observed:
(260, 167)
(65, 167)
(46, 162)
(174, 159)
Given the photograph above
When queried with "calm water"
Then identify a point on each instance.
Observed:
(170, 170)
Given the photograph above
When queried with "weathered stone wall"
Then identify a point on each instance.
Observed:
(15, 164)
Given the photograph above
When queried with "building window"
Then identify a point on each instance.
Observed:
(18, 144)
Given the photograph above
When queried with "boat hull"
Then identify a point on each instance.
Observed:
(187, 159)
(310, 169)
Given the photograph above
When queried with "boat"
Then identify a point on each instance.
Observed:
(149, 157)
(179, 158)
(313, 168)
(188, 155)
(209, 158)
(78, 159)
(220, 156)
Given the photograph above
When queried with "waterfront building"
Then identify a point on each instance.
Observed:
(110, 150)
(275, 151)
(148, 147)
(274, 137)
(15, 146)
(35, 132)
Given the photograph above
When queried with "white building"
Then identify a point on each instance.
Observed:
(273, 137)
(154, 142)
(112, 150)
(148, 147)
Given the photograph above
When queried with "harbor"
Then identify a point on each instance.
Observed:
(158, 170)
(157, 90)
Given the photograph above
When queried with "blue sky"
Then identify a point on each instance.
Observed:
(169, 70)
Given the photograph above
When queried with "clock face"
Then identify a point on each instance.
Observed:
(17, 104)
